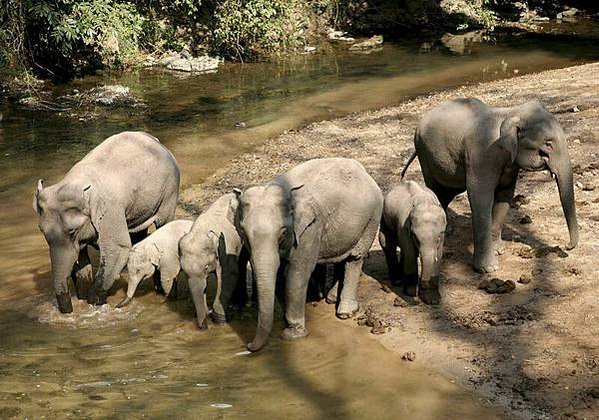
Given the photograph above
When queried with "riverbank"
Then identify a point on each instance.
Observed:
(535, 350)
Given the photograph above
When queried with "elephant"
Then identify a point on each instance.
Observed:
(125, 184)
(159, 251)
(466, 145)
(323, 211)
(414, 220)
(213, 246)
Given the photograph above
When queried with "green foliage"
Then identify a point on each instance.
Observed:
(254, 28)
(94, 31)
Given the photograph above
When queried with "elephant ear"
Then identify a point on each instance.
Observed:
(155, 254)
(303, 215)
(96, 206)
(508, 135)
(38, 190)
(233, 206)
(216, 241)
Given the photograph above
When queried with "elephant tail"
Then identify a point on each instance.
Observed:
(405, 169)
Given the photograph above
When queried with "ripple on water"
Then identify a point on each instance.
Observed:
(84, 315)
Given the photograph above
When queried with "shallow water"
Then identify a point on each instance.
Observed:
(148, 358)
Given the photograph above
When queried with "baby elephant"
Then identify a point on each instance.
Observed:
(414, 220)
(213, 246)
(159, 251)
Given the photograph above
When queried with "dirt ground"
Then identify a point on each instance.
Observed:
(533, 351)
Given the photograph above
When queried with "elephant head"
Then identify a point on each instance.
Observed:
(198, 252)
(427, 227)
(536, 141)
(66, 218)
(265, 223)
(142, 264)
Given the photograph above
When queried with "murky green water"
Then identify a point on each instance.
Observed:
(148, 359)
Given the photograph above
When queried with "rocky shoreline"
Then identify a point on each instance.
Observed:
(533, 349)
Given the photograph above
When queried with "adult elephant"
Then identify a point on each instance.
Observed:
(127, 183)
(321, 211)
(466, 145)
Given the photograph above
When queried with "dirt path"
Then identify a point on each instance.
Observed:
(534, 350)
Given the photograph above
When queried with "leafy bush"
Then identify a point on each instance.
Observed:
(254, 28)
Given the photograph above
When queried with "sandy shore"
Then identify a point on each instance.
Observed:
(534, 351)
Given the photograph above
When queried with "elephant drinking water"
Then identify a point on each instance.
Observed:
(124, 185)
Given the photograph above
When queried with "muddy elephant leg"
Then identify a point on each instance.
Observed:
(297, 274)
(82, 274)
(481, 203)
(113, 259)
(337, 275)
(389, 244)
(156, 278)
(348, 303)
(501, 207)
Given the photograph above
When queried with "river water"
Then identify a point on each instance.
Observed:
(148, 359)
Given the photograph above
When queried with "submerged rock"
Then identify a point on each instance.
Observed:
(202, 64)
(112, 96)
(462, 43)
(370, 43)
(339, 36)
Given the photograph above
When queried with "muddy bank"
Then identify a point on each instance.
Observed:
(533, 350)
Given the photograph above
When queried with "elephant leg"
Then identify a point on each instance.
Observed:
(389, 244)
(348, 304)
(481, 203)
(226, 284)
(337, 278)
(298, 272)
(157, 279)
(197, 288)
(82, 274)
(113, 259)
(503, 196)
(241, 292)
(408, 264)
(316, 283)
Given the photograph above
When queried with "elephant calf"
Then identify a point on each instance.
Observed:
(466, 145)
(414, 220)
(159, 251)
(213, 246)
(127, 183)
(323, 211)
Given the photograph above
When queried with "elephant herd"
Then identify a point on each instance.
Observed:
(323, 211)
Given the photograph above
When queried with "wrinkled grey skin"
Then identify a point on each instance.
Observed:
(465, 145)
(414, 221)
(124, 185)
(322, 211)
(213, 246)
(159, 251)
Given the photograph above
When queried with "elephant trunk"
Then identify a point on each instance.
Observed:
(63, 259)
(265, 264)
(430, 267)
(565, 185)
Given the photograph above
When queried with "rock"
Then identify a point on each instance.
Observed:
(202, 64)
(462, 43)
(112, 96)
(526, 220)
(496, 285)
(589, 185)
(574, 109)
(594, 392)
(409, 356)
(536, 271)
(544, 251)
(309, 50)
(574, 270)
(369, 44)
(399, 302)
(519, 200)
(240, 124)
(525, 251)
(525, 279)
(378, 329)
(339, 36)
(569, 12)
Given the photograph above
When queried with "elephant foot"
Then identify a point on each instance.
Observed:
(294, 332)
(219, 319)
(97, 298)
(203, 326)
(332, 295)
(83, 282)
(430, 296)
(65, 305)
(487, 264)
(347, 309)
